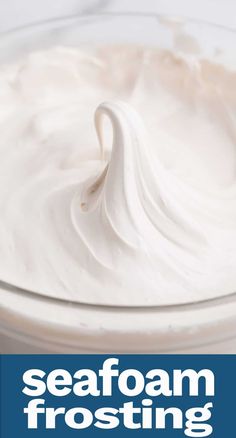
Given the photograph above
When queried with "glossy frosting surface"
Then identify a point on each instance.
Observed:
(118, 176)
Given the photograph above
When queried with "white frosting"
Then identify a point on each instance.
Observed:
(149, 220)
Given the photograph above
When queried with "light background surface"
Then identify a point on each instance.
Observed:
(14, 13)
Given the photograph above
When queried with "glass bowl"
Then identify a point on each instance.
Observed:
(33, 323)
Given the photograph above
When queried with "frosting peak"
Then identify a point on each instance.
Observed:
(118, 190)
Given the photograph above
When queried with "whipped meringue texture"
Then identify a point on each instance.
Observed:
(141, 212)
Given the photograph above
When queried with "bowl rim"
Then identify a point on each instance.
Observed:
(87, 16)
